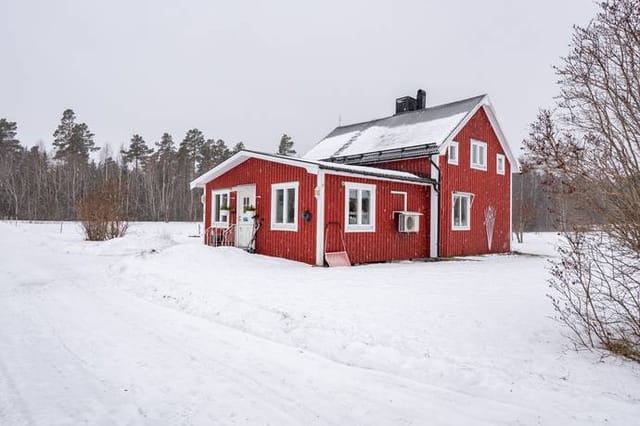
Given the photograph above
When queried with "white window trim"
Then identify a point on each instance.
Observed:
(293, 227)
(220, 224)
(499, 170)
(457, 149)
(359, 228)
(469, 197)
(478, 166)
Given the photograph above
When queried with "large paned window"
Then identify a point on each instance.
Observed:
(461, 212)
(360, 207)
(284, 206)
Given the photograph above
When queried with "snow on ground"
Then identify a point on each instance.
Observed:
(156, 328)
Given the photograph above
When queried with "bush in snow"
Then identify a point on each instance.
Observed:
(102, 212)
(589, 147)
(597, 292)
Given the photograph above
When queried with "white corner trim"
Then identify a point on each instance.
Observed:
(434, 217)
(320, 219)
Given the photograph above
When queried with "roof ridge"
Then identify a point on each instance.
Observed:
(410, 112)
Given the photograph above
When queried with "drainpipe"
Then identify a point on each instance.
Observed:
(436, 187)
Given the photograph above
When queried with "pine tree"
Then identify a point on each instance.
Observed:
(191, 147)
(286, 146)
(8, 142)
(138, 152)
(165, 148)
(73, 141)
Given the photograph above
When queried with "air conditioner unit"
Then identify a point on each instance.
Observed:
(409, 221)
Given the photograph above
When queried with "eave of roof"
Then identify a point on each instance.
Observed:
(312, 166)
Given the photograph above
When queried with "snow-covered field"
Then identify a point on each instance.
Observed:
(157, 329)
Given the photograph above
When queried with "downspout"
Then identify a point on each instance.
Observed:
(436, 187)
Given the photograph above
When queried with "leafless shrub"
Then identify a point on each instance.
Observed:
(102, 212)
(596, 285)
(589, 147)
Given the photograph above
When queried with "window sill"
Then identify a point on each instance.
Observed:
(368, 229)
(477, 167)
(281, 227)
(461, 228)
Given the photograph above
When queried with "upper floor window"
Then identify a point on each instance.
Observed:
(478, 155)
(284, 206)
(453, 153)
(500, 164)
(220, 213)
(360, 207)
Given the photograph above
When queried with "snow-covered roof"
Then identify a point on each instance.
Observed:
(432, 125)
(312, 166)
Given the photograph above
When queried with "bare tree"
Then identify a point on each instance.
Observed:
(589, 146)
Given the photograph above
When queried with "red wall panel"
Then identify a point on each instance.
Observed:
(488, 187)
(386, 243)
(298, 245)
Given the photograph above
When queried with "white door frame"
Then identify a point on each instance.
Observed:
(240, 210)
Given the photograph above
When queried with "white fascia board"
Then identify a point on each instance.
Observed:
(366, 176)
(444, 146)
(491, 113)
(241, 157)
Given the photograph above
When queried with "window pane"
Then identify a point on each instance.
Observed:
(474, 155)
(353, 207)
(366, 207)
(456, 211)
(291, 205)
(482, 155)
(279, 205)
(216, 208)
(464, 207)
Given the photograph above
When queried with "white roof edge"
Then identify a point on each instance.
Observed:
(312, 166)
(491, 113)
(241, 157)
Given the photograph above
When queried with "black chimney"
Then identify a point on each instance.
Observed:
(404, 104)
(421, 99)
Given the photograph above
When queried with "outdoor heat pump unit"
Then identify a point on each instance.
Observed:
(408, 221)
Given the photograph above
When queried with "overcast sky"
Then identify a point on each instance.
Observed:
(250, 70)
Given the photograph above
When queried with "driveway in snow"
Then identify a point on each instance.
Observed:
(156, 329)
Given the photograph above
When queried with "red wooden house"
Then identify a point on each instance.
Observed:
(424, 182)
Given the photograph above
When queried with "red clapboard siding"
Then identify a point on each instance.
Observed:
(419, 166)
(298, 245)
(490, 189)
(386, 243)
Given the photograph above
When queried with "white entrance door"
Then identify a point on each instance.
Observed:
(246, 209)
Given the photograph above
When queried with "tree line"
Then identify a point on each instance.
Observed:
(47, 185)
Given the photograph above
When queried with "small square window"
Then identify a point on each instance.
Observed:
(500, 159)
(478, 155)
(453, 153)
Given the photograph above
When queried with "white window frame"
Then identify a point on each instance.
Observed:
(220, 223)
(476, 164)
(500, 164)
(456, 149)
(285, 226)
(469, 198)
(359, 227)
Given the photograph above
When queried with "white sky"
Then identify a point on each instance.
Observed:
(251, 70)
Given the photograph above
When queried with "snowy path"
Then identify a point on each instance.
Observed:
(119, 334)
